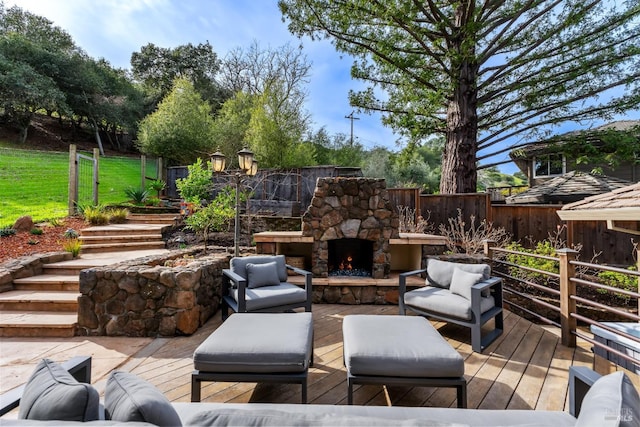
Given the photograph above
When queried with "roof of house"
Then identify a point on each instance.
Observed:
(622, 204)
(567, 188)
(521, 154)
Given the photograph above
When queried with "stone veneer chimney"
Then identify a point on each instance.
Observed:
(351, 208)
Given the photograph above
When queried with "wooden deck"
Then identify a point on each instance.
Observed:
(526, 368)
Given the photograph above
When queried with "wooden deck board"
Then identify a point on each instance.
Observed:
(526, 367)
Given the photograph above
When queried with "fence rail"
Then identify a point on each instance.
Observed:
(566, 299)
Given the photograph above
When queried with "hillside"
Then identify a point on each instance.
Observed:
(48, 134)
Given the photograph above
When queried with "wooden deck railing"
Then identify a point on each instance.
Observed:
(562, 293)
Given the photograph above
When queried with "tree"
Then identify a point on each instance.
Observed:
(180, 130)
(231, 125)
(158, 67)
(272, 86)
(481, 73)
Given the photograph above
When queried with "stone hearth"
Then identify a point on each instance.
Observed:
(350, 208)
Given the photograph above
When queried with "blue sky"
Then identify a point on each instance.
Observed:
(114, 29)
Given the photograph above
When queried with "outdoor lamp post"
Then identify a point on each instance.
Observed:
(248, 167)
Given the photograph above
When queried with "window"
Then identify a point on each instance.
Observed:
(549, 165)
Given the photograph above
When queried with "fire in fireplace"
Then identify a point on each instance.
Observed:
(350, 257)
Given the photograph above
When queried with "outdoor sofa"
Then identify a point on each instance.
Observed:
(51, 393)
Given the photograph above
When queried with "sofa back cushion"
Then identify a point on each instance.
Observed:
(439, 273)
(239, 264)
(128, 398)
(51, 393)
(611, 401)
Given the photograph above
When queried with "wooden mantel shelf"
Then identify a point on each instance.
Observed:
(297, 237)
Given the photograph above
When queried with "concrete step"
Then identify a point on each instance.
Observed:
(48, 324)
(168, 219)
(123, 238)
(48, 282)
(123, 229)
(115, 247)
(60, 269)
(56, 301)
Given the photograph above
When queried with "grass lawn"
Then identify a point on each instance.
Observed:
(36, 183)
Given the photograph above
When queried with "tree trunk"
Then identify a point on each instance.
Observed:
(459, 171)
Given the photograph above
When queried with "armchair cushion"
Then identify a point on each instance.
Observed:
(239, 264)
(462, 281)
(259, 275)
(442, 301)
(51, 393)
(272, 296)
(611, 391)
(440, 273)
(129, 398)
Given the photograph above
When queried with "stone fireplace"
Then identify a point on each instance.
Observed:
(346, 211)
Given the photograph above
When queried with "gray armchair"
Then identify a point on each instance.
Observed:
(259, 284)
(463, 294)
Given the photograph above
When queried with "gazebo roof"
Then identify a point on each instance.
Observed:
(622, 204)
(570, 187)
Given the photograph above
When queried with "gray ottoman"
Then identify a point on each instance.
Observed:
(400, 350)
(256, 347)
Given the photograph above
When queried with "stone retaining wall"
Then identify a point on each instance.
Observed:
(143, 297)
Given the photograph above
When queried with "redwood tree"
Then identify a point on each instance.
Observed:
(481, 73)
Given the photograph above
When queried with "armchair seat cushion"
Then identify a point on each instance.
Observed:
(437, 300)
(272, 296)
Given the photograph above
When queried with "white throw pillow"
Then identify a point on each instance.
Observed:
(462, 281)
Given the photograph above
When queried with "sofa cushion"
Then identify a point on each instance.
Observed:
(442, 301)
(462, 281)
(611, 401)
(239, 264)
(272, 296)
(245, 417)
(129, 398)
(51, 393)
(439, 273)
(259, 275)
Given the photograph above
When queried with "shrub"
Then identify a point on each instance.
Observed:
(73, 246)
(216, 216)
(197, 185)
(137, 195)
(56, 222)
(157, 185)
(118, 215)
(36, 231)
(152, 201)
(7, 231)
(470, 240)
(70, 233)
(95, 215)
(620, 280)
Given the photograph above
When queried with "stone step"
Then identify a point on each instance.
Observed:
(123, 229)
(63, 269)
(39, 300)
(169, 218)
(48, 282)
(122, 238)
(115, 247)
(48, 324)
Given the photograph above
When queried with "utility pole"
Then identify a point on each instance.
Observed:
(350, 117)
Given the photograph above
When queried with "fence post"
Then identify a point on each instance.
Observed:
(488, 251)
(568, 323)
(73, 179)
(143, 172)
(96, 169)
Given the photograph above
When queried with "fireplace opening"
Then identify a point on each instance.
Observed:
(350, 257)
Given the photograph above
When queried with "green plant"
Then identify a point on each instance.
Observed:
(157, 185)
(152, 201)
(70, 233)
(118, 215)
(73, 246)
(620, 280)
(137, 195)
(7, 231)
(56, 222)
(197, 185)
(36, 231)
(216, 216)
(95, 215)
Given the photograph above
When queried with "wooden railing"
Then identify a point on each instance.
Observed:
(562, 293)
